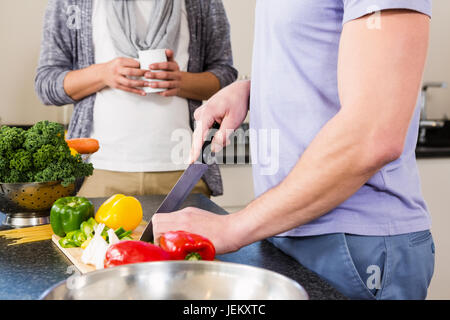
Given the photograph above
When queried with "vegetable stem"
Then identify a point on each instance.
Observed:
(193, 256)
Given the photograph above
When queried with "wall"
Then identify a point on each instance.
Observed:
(242, 20)
(20, 35)
(438, 64)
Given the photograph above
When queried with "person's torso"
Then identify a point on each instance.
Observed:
(294, 94)
(137, 134)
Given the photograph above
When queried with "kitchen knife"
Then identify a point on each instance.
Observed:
(178, 194)
(182, 189)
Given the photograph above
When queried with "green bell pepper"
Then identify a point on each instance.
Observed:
(68, 213)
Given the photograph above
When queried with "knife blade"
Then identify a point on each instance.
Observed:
(177, 195)
(184, 186)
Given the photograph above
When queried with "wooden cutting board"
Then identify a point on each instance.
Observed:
(74, 254)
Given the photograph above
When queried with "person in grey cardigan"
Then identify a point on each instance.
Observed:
(82, 63)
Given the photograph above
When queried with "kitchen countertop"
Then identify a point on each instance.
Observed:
(432, 152)
(28, 270)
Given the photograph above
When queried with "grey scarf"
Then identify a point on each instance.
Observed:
(163, 30)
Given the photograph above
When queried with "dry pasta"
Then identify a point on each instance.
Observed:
(27, 235)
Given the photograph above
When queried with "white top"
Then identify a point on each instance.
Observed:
(135, 132)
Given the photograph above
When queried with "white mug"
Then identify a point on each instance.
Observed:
(148, 57)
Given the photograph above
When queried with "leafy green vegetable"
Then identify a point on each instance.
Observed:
(11, 139)
(39, 154)
(21, 161)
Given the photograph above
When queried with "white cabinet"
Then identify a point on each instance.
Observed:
(238, 187)
(435, 176)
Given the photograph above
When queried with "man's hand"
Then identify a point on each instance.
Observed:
(116, 73)
(229, 107)
(217, 228)
(170, 74)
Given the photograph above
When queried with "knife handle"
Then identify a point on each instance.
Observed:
(209, 157)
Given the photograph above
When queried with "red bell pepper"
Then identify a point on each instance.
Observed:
(182, 245)
(127, 252)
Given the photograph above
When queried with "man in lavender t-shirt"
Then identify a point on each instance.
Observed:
(334, 124)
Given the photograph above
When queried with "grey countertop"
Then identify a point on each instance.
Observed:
(28, 270)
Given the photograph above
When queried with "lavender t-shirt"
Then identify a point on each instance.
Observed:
(295, 92)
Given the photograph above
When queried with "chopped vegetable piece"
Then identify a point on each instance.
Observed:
(92, 222)
(94, 253)
(86, 243)
(120, 231)
(87, 229)
(79, 238)
(125, 235)
(112, 237)
(66, 243)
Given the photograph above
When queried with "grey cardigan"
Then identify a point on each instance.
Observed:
(67, 45)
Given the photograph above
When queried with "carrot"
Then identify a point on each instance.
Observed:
(84, 145)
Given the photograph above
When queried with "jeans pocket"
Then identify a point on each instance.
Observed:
(358, 282)
(419, 238)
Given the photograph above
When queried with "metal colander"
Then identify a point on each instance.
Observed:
(27, 204)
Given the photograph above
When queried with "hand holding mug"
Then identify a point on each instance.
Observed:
(169, 76)
(116, 74)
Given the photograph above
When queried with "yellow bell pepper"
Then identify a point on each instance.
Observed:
(120, 211)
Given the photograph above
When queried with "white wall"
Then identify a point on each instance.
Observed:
(438, 64)
(20, 36)
(242, 20)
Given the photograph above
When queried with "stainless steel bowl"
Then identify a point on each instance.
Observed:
(179, 280)
(28, 204)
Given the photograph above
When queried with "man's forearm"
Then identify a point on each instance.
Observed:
(198, 86)
(326, 175)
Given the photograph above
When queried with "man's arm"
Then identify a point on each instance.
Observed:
(379, 75)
